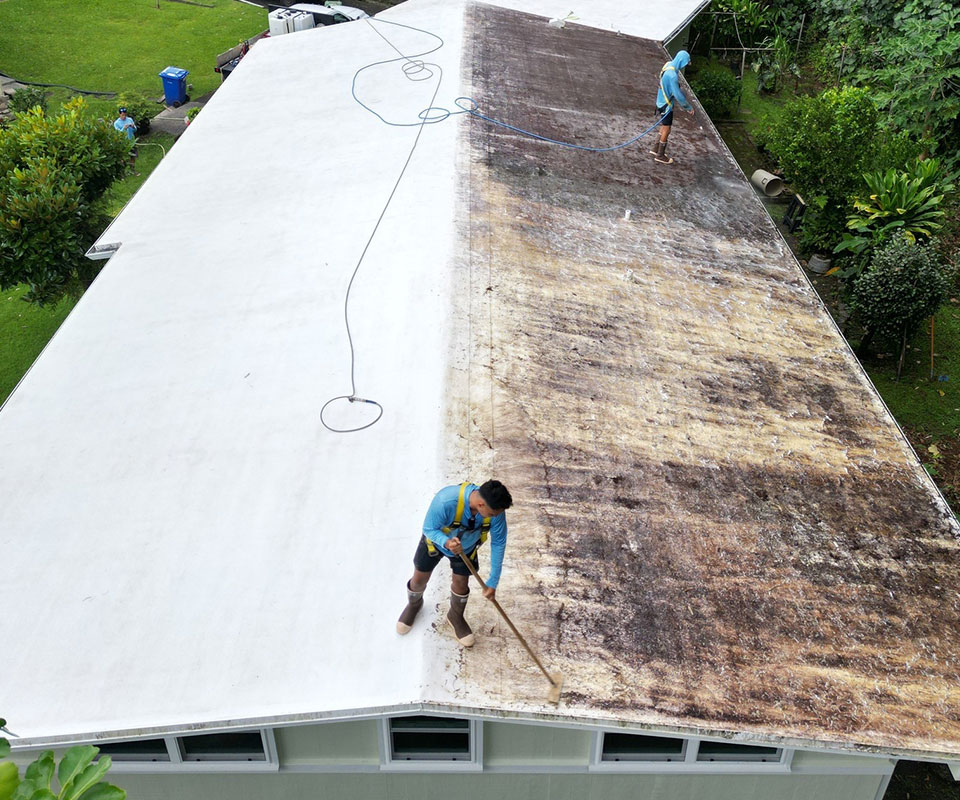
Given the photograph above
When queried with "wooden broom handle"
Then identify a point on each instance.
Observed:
(506, 619)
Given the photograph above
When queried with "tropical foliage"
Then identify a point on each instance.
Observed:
(76, 777)
(901, 202)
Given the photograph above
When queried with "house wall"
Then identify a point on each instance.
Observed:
(535, 762)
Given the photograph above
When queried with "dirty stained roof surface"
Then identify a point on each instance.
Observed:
(719, 525)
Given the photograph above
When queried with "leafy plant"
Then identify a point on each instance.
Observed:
(26, 98)
(53, 172)
(903, 203)
(717, 89)
(140, 107)
(78, 777)
(905, 284)
(916, 75)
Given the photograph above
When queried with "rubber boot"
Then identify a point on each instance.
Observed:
(655, 147)
(409, 614)
(661, 156)
(461, 630)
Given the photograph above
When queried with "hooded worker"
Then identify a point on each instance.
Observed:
(668, 95)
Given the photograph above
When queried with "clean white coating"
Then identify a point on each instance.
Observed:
(183, 542)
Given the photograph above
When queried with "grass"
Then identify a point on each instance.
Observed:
(24, 330)
(150, 149)
(929, 406)
(121, 45)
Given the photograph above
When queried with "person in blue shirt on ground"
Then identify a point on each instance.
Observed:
(668, 95)
(458, 521)
(125, 124)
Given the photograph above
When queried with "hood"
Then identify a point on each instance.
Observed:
(680, 60)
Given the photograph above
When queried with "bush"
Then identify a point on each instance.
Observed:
(822, 144)
(905, 284)
(26, 98)
(141, 108)
(53, 172)
(717, 88)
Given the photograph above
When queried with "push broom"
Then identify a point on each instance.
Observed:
(556, 681)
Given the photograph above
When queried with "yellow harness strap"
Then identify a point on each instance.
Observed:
(668, 65)
(461, 502)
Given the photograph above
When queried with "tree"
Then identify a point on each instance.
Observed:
(54, 171)
(78, 776)
(905, 284)
(917, 74)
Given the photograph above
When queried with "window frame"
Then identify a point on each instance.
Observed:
(472, 764)
(690, 762)
(176, 763)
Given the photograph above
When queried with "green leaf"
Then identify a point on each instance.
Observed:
(9, 779)
(105, 791)
(73, 763)
(41, 769)
(26, 789)
(4, 747)
(89, 777)
(43, 794)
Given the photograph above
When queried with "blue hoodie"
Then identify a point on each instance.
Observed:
(670, 82)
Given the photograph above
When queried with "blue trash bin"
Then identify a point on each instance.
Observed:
(174, 86)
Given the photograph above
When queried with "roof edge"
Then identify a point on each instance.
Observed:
(541, 718)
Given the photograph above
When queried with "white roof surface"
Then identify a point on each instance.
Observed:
(183, 542)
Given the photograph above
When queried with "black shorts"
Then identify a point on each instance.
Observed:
(667, 120)
(425, 562)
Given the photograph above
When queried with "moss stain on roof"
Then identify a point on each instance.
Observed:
(719, 526)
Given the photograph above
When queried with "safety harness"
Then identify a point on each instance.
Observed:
(668, 65)
(484, 526)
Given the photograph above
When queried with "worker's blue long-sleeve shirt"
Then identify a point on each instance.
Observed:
(443, 509)
(670, 81)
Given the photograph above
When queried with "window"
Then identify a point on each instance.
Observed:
(422, 742)
(731, 751)
(630, 747)
(633, 752)
(233, 751)
(238, 746)
(136, 750)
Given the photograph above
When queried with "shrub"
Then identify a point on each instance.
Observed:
(26, 98)
(141, 108)
(717, 88)
(53, 172)
(905, 284)
(822, 144)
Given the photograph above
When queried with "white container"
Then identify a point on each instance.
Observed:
(277, 22)
(302, 21)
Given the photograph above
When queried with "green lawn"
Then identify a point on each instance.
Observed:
(121, 45)
(24, 330)
(928, 406)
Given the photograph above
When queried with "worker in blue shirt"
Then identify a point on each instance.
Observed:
(459, 520)
(668, 95)
(125, 124)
